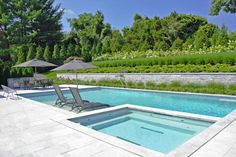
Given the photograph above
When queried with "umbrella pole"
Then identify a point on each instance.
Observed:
(77, 80)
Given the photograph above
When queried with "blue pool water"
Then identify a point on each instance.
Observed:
(198, 104)
(158, 132)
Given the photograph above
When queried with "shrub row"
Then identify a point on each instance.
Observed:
(212, 59)
(158, 69)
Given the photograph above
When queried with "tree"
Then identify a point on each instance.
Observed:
(47, 54)
(35, 21)
(116, 41)
(70, 50)
(223, 37)
(228, 6)
(177, 44)
(77, 50)
(189, 44)
(62, 54)
(56, 54)
(39, 53)
(31, 53)
(203, 35)
(21, 56)
(161, 46)
(47, 24)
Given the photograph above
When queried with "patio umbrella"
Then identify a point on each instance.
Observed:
(34, 63)
(74, 65)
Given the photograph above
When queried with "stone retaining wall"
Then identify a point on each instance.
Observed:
(199, 78)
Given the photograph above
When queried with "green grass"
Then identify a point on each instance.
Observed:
(212, 88)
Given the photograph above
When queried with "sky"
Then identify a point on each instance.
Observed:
(120, 13)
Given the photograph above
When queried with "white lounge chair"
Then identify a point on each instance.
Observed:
(10, 93)
(83, 104)
(62, 100)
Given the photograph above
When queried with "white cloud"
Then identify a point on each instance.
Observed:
(69, 11)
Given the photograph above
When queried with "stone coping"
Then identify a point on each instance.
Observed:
(149, 73)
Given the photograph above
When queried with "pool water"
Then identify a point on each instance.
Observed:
(158, 132)
(198, 104)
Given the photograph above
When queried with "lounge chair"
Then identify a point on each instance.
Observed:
(62, 100)
(10, 93)
(83, 104)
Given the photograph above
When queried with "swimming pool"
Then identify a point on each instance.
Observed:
(162, 133)
(198, 104)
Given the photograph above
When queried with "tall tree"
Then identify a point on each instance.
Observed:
(31, 53)
(228, 6)
(56, 54)
(47, 54)
(21, 56)
(39, 53)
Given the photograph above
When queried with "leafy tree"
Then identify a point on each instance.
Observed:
(31, 53)
(177, 44)
(39, 53)
(228, 6)
(77, 50)
(70, 50)
(47, 54)
(106, 42)
(116, 41)
(223, 37)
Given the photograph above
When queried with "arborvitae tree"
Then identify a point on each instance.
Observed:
(56, 54)
(20, 56)
(47, 54)
(70, 50)
(106, 48)
(39, 53)
(31, 53)
(223, 37)
(99, 48)
(189, 44)
(177, 44)
(161, 46)
(201, 40)
(62, 53)
(116, 41)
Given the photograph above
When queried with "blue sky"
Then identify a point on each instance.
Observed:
(120, 13)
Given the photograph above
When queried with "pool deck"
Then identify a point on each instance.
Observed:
(33, 129)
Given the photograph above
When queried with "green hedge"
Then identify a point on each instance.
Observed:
(157, 69)
(212, 59)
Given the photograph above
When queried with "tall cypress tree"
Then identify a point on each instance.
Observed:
(56, 54)
(47, 54)
(39, 53)
(31, 53)
(20, 56)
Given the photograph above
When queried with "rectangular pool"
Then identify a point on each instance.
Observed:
(162, 133)
(198, 104)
